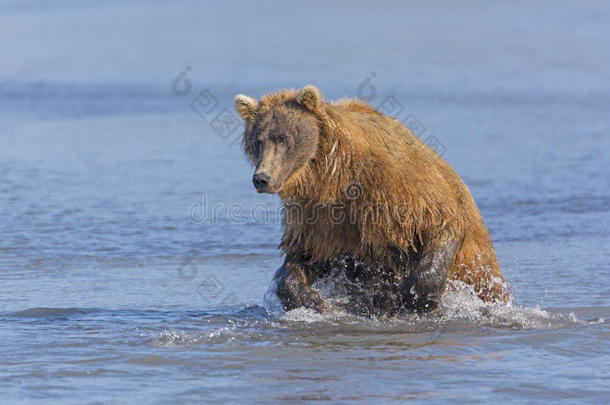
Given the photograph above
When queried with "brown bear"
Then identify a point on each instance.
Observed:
(360, 190)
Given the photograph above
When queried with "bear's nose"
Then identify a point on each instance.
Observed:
(261, 181)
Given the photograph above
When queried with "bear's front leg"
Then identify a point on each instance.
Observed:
(294, 287)
(421, 290)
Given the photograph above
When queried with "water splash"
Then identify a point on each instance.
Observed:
(459, 306)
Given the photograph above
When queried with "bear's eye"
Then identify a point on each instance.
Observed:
(257, 146)
(281, 140)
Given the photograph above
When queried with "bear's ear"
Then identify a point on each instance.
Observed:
(310, 97)
(246, 107)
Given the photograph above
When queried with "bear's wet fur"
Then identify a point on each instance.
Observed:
(357, 183)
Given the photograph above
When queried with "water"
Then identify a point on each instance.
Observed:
(129, 277)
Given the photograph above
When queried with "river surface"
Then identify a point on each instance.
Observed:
(135, 253)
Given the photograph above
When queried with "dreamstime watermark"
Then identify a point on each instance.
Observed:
(221, 120)
(390, 106)
(208, 285)
(351, 208)
(237, 213)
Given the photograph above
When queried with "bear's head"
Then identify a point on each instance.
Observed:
(281, 136)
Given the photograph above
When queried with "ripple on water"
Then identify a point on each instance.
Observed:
(461, 312)
(44, 312)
